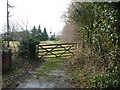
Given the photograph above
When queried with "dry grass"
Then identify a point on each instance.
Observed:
(84, 66)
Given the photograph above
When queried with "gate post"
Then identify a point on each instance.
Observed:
(6, 60)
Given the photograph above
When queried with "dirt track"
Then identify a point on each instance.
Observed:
(55, 78)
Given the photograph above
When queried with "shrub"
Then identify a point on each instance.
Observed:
(27, 48)
(110, 80)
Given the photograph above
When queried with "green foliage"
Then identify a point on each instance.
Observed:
(100, 28)
(107, 81)
(52, 38)
(99, 25)
(34, 32)
(1, 43)
(44, 35)
(27, 48)
(38, 35)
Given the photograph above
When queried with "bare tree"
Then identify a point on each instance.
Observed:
(70, 31)
(24, 26)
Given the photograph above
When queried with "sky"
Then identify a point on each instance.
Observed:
(46, 13)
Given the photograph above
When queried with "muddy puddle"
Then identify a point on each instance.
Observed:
(37, 83)
(61, 80)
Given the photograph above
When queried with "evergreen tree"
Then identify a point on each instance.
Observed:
(34, 32)
(53, 38)
(44, 35)
(39, 34)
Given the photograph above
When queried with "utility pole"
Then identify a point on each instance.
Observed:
(8, 27)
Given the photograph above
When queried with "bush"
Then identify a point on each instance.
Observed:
(27, 48)
(109, 80)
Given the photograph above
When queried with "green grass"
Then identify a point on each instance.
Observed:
(54, 60)
(50, 42)
(50, 64)
(57, 42)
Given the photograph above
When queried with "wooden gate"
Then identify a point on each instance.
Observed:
(56, 50)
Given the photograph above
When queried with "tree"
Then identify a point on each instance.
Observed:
(39, 34)
(27, 48)
(44, 35)
(98, 25)
(52, 38)
(34, 32)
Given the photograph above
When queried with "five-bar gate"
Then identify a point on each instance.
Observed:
(56, 50)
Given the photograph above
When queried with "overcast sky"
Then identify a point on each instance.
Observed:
(46, 13)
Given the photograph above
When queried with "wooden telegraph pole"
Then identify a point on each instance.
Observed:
(8, 27)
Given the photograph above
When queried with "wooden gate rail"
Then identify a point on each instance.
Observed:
(56, 50)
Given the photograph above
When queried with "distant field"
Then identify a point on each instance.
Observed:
(50, 42)
(14, 44)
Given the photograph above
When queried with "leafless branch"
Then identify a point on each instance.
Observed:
(20, 26)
